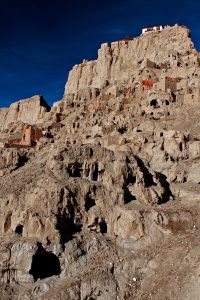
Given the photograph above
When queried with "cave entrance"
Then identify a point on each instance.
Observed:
(95, 173)
(103, 226)
(75, 170)
(128, 197)
(154, 103)
(19, 229)
(44, 264)
(89, 202)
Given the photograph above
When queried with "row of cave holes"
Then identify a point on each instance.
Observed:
(154, 103)
(90, 202)
(46, 264)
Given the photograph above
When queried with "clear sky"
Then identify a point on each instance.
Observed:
(40, 40)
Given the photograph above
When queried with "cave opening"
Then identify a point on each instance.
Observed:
(19, 229)
(122, 129)
(166, 102)
(95, 173)
(44, 264)
(154, 103)
(131, 179)
(22, 160)
(74, 170)
(89, 202)
(103, 226)
(128, 197)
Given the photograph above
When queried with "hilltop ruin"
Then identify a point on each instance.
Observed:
(100, 193)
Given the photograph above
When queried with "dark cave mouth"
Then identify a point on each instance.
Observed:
(44, 264)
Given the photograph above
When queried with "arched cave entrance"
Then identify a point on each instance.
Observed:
(44, 264)
(19, 229)
(154, 103)
(166, 102)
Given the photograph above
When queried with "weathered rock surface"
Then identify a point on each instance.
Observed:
(30, 111)
(105, 203)
(119, 62)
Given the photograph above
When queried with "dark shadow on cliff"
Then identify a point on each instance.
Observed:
(148, 178)
(167, 195)
(67, 222)
(44, 264)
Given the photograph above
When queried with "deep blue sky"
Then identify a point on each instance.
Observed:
(40, 40)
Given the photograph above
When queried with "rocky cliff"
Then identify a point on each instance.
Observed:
(30, 111)
(105, 203)
(119, 61)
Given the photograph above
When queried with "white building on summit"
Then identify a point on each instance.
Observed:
(154, 28)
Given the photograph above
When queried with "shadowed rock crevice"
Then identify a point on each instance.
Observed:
(22, 160)
(68, 222)
(128, 197)
(148, 178)
(95, 172)
(7, 223)
(75, 170)
(43, 103)
(131, 180)
(167, 195)
(89, 202)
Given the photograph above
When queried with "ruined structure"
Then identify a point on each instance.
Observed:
(100, 194)
(151, 29)
(30, 136)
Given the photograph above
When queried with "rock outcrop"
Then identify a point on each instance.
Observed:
(30, 111)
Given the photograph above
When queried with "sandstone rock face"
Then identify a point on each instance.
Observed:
(99, 196)
(27, 111)
(117, 62)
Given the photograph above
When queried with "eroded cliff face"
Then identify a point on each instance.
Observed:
(118, 61)
(30, 111)
(103, 200)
